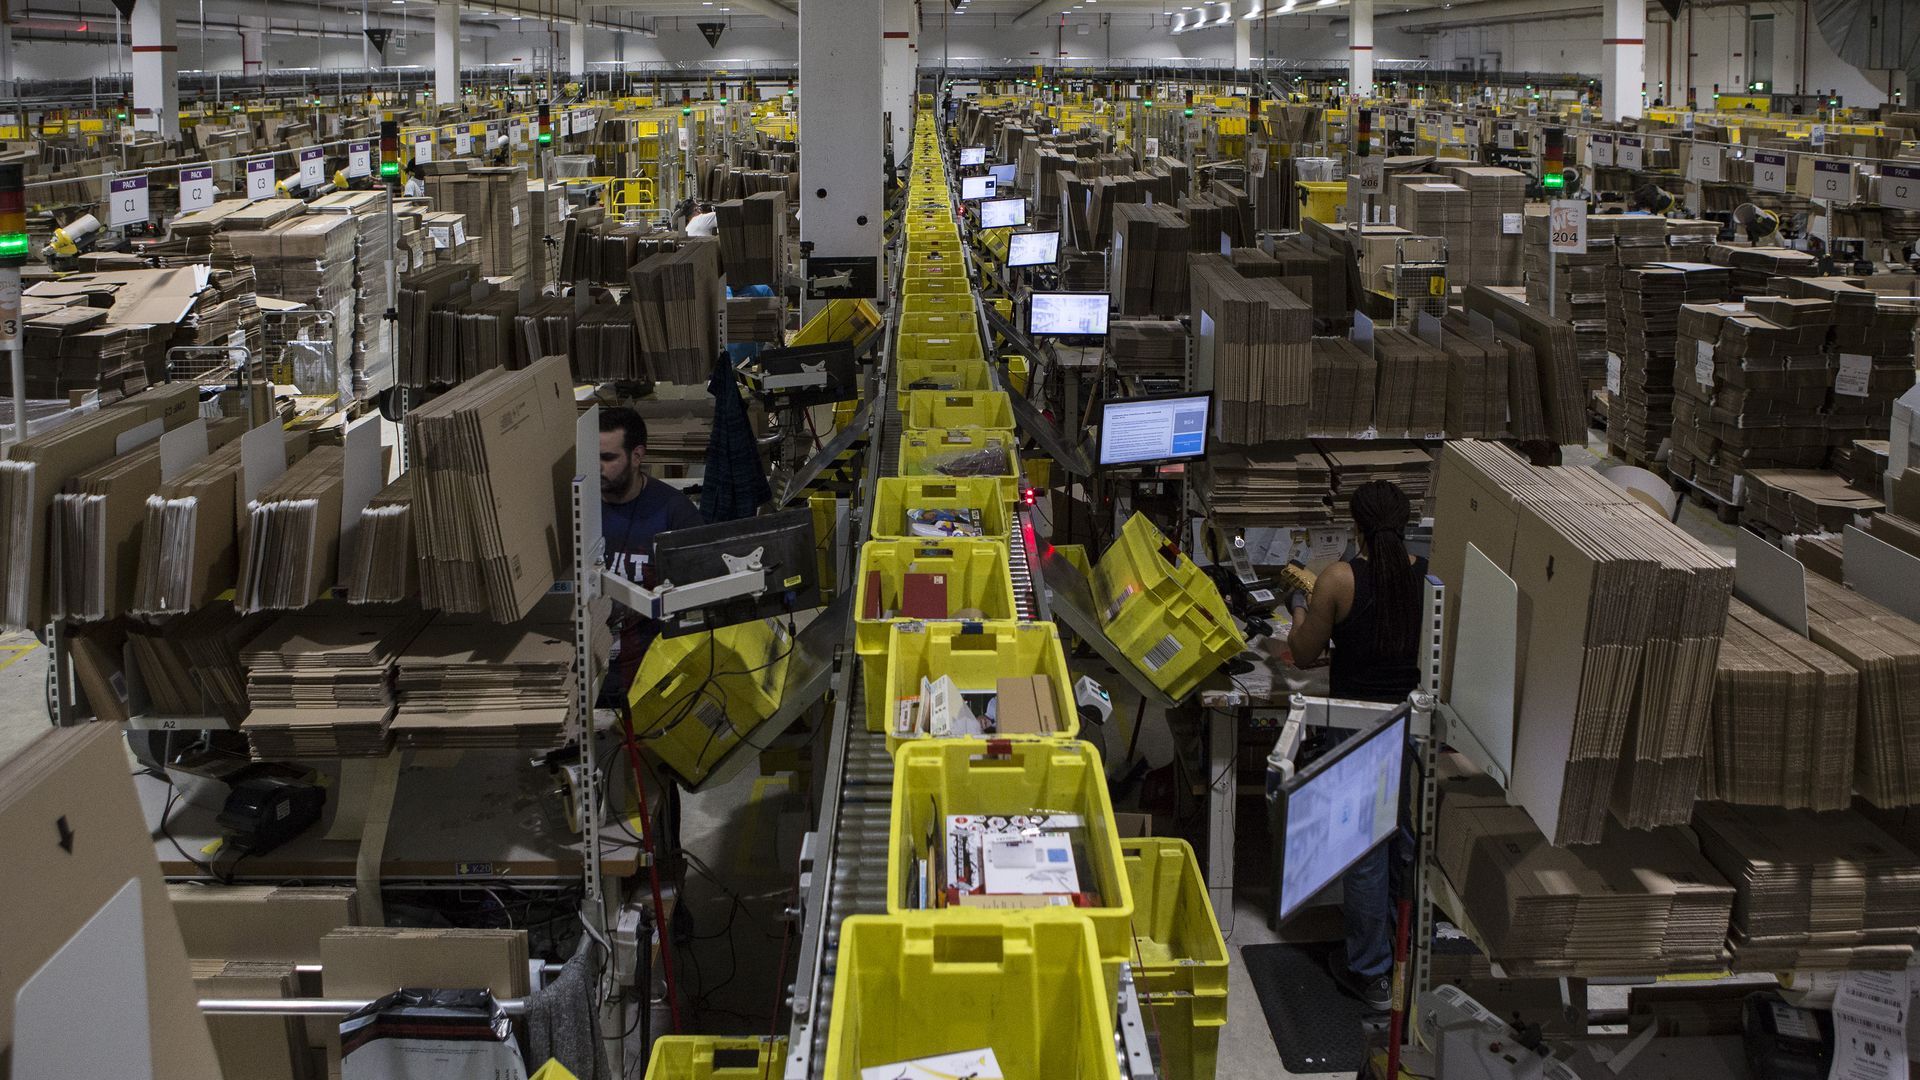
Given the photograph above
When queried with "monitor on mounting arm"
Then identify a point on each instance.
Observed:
(1033, 249)
(1154, 430)
(784, 545)
(1061, 314)
(973, 155)
(1339, 809)
(1003, 213)
(976, 187)
(1002, 174)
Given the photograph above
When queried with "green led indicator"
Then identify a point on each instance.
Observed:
(1149, 103)
(686, 112)
(13, 245)
(119, 116)
(1187, 112)
(545, 138)
(1553, 180)
(389, 168)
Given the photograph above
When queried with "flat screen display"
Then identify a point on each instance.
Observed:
(1003, 213)
(973, 155)
(1033, 249)
(1339, 809)
(1068, 314)
(976, 187)
(1002, 173)
(1141, 430)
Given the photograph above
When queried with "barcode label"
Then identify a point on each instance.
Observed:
(1162, 654)
(710, 713)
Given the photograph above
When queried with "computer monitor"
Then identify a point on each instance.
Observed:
(1003, 174)
(976, 187)
(1339, 808)
(1003, 213)
(1150, 430)
(1060, 314)
(973, 155)
(1033, 249)
(785, 541)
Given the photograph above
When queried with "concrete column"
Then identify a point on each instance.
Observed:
(1623, 58)
(899, 55)
(156, 69)
(841, 186)
(577, 50)
(1360, 48)
(446, 53)
(1242, 43)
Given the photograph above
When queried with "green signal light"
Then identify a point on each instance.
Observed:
(545, 138)
(389, 168)
(119, 116)
(1149, 103)
(686, 112)
(1553, 180)
(13, 245)
(1187, 112)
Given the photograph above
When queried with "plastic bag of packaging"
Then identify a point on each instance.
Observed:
(984, 461)
(431, 1035)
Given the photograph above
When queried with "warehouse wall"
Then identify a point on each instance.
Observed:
(1145, 38)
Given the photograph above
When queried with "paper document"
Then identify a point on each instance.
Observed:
(1870, 1026)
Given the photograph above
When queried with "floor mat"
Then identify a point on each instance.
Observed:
(1315, 1025)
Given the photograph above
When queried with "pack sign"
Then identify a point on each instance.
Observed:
(1600, 150)
(360, 158)
(196, 187)
(1770, 171)
(1832, 180)
(259, 179)
(313, 166)
(1628, 152)
(422, 147)
(1900, 186)
(1503, 134)
(127, 202)
(1704, 162)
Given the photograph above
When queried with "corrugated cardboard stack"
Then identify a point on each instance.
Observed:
(1688, 240)
(1748, 392)
(1636, 904)
(1353, 464)
(1262, 363)
(1147, 346)
(1872, 342)
(1410, 391)
(753, 235)
(1477, 392)
(427, 357)
(383, 567)
(1496, 200)
(1814, 890)
(1439, 209)
(676, 300)
(308, 260)
(292, 542)
(372, 358)
(546, 210)
(1268, 488)
(1795, 501)
(1563, 393)
(1784, 714)
(1150, 245)
(1640, 400)
(498, 210)
(1755, 267)
(1344, 377)
(1885, 649)
(468, 682)
(1524, 415)
(1579, 289)
(320, 681)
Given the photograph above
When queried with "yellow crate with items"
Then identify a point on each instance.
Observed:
(940, 324)
(1157, 605)
(696, 695)
(946, 790)
(924, 373)
(974, 578)
(707, 1057)
(936, 283)
(964, 451)
(917, 987)
(963, 408)
(1321, 200)
(938, 305)
(1010, 678)
(917, 507)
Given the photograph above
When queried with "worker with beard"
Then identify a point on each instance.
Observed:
(635, 508)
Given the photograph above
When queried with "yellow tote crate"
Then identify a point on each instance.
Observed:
(962, 408)
(826, 508)
(932, 453)
(1321, 200)
(697, 695)
(897, 496)
(976, 655)
(960, 776)
(938, 305)
(975, 576)
(706, 1057)
(1188, 1027)
(962, 346)
(920, 268)
(913, 986)
(1017, 373)
(1176, 938)
(936, 374)
(937, 283)
(940, 324)
(1157, 605)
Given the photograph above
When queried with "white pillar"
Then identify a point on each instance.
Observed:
(1360, 48)
(1623, 58)
(156, 69)
(899, 57)
(1242, 43)
(446, 53)
(577, 50)
(841, 186)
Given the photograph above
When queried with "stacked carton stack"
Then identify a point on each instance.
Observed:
(1792, 502)
(1271, 488)
(372, 360)
(465, 682)
(1443, 210)
(1496, 200)
(320, 682)
(676, 302)
(1147, 346)
(1640, 391)
(1574, 288)
(1688, 240)
(1754, 268)
(1872, 344)
(1262, 363)
(1410, 392)
(1549, 343)
(308, 261)
(1813, 890)
(1784, 713)
(753, 234)
(498, 210)
(1885, 649)
(1477, 392)
(1344, 377)
(1149, 260)
(1354, 464)
(1748, 392)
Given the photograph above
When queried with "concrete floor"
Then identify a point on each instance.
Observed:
(746, 835)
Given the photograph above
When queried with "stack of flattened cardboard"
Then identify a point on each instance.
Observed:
(39, 467)
(190, 542)
(1344, 377)
(1150, 245)
(1885, 649)
(261, 1047)
(1262, 362)
(1688, 239)
(1271, 486)
(606, 345)
(1814, 890)
(1872, 344)
(466, 682)
(1354, 464)
(372, 360)
(97, 522)
(427, 358)
(1410, 391)
(363, 962)
(72, 835)
(1794, 501)
(308, 260)
(1784, 714)
(292, 550)
(1863, 462)
(1579, 288)
(1496, 199)
(1477, 393)
(753, 234)
(1562, 392)
(676, 302)
(191, 665)
(1299, 258)
(1754, 268)
(495, 463)
(384, 564)
(752, 319)
(1434, 208)
(1640, 405)
(1525, 419)
(320, 682)
(498, 211)
(1147, 346)
(1748, 391)
(1636, 904)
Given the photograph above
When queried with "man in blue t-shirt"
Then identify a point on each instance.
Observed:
(635, 508)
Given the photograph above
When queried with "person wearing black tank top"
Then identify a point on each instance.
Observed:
(1367, 609)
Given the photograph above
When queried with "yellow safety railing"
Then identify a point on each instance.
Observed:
(631, 193)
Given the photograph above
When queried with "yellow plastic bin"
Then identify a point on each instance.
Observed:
(932, 452)
(964, 408)
(913, 986)
(976, 576)
(938, 374)
(697, 695)
(938, 305)
(1321, 200)
(1176, 939)
(826, 510)
(897, 497)
(1006, 777)
(706, 1057)
(935, 285)
(1017, 374)
(940, 323)
(976, 655)
(963, 345)
(1187, 1029)
(1164, 611)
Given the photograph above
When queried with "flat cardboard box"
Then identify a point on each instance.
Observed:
(254, 1047)
(281, 923)
(1024, 706)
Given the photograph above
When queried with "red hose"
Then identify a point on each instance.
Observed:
(653, 874)
(1397, 1024)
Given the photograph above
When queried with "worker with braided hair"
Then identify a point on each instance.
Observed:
(1367, 608)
